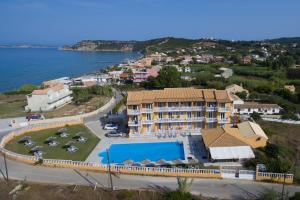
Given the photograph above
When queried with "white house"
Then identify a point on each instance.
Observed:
(251, 107)
(98, 79)
(49, 98)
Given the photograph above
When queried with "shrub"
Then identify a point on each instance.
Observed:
(125, 194)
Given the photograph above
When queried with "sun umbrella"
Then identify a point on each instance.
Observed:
(128, 162)
(145, 162)
(161, 162)
(177, 162)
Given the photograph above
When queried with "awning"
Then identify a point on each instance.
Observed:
(236, 152)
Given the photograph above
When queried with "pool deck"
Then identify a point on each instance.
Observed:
(190, 148)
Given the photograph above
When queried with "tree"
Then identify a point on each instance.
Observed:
(27, 88)
(183, 185)
(182, 192)
(168, 77)
(255, 116)
(242, 95)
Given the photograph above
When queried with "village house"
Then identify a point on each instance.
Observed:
(222, 146)
(90, 80)
(246, 60)
(290, 88)
(233, 143)
(262, 108)
(50, 98)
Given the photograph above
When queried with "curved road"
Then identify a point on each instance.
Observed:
(226, 188)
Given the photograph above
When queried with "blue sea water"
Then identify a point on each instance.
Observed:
(20, 66)
(118, 153)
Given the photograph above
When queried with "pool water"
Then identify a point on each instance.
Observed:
(118, 153)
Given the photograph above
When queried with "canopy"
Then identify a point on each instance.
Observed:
(235, 152)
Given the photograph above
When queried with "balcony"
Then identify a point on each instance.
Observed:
(170, 120)
(223, 109)
(179, 108)
(134, 123)
(210, 120)
(210, 109)
(147, 121)
(223, 120)
(133, 112)
(147, 110)
(178, 131)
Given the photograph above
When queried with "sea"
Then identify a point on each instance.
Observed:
(19, 66)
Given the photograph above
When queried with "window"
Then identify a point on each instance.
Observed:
(199, 103)
(189, 115)
(198, 125)
(222, 115)
(210, 125)
(148, 128)
(160, 115)
(210, 114)
(222, 105)
(159, 126)
(211, 104)
(170, 125)
(198, 114)
(170, 115)
(160, 104)
(190, 126)
(148, 116)
(149, 106)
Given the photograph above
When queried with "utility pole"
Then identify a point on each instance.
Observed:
(109, 171)
(5, 164)
(284, 177)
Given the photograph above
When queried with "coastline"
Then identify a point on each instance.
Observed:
(72, 65)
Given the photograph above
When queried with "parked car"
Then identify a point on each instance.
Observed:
(111, 127)
(32, 116)
(114, 134)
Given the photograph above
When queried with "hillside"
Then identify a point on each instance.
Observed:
(170, 44)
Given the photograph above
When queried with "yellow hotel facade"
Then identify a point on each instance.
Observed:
(175, 111)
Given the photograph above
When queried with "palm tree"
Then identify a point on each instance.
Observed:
(183, 185)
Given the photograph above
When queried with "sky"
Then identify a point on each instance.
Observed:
(58, 22)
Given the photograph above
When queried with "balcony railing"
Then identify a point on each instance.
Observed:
(223, 109)
(133, 112)
(210, 120)
(169, 120)
(179, 108)
(134, 123)
(210, 109)
(178, 131)
(147, 122)
(223, 120)
(147, 110)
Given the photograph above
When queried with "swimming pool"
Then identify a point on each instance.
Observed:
(138, 152)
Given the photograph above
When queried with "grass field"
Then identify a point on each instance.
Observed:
(12, 106)
(287, 137)
(58, 152)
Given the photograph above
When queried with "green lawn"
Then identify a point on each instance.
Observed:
(57, 152)
(12, 109)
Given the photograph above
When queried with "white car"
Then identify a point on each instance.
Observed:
(114, 134)
(110, 127)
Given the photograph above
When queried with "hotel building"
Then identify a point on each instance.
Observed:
(175, 111)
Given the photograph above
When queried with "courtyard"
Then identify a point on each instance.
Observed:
(77, 136)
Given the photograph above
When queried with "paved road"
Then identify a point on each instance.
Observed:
(97, 117)
(228, 189)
